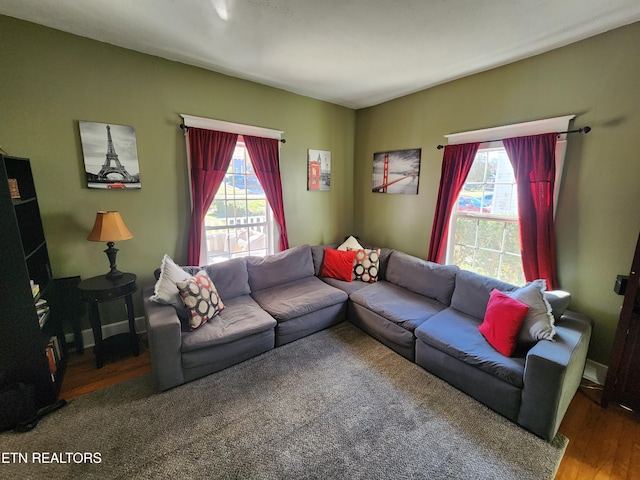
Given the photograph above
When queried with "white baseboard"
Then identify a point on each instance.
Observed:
(108, 330)
(595, 372)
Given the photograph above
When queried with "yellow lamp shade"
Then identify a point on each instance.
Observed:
(109, 227)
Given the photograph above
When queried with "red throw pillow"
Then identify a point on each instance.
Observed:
(338, 264)
(502, 322)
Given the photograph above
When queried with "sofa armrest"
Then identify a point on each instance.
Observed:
(552, 374)
(165, 341)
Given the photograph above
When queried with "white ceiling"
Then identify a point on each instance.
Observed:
(355, 53)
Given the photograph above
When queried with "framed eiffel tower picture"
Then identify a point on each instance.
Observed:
(110, 155)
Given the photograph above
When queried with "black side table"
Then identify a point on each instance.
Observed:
(99, 289)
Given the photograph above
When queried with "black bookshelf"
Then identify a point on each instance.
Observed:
(32, 347)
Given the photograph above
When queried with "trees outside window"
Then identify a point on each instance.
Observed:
(484, 236)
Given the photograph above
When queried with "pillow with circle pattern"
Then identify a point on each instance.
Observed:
(366, 265)
(201, 299)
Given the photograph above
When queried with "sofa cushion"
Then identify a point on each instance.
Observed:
(421, 276)
(539, 322)
(457, 335)
(347, 287)
(284, 267)
(231, 277)
(559, 301)
(471, 292)
(502, 322)
(241, 317)
(300, 297)
(317, 253)
(338, 264)
(398, 305)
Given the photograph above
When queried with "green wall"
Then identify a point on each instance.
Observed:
(50, 80)
(597, 221)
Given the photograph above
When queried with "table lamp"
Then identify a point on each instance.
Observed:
(109, 227)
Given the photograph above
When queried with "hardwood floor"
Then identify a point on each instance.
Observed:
(603, 443)
(83, 377)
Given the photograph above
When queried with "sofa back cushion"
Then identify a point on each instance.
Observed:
(421, 276)
(559, 301)
(230, 278)
(283, 267)
(472, 291)
(317, 252)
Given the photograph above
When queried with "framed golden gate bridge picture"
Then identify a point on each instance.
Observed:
(397, 171)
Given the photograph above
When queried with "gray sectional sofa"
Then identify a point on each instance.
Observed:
(426, 312)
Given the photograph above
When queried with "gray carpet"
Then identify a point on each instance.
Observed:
(337, 404)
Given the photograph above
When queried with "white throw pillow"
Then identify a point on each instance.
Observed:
(539, 322)
(350, 244)
(166, 290)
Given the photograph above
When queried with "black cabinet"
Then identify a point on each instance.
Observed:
(623, 376)
(32, 347)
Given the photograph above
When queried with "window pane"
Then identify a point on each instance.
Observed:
(222, 188)
(253, 186)
(463, 257)
(465, 233)
(512, 270)
(484, 236)
(512, 238)
(504, 200)
(257, 240)
(490, 234)
(237, 209)
(217, 213)
(257, 210)
(487, 263)
(477, 172)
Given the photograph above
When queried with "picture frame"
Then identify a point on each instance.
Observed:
(110, 155)
(318, 170)
(396, 171)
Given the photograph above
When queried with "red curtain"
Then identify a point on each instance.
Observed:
(210, 153)
(265, 158)
(456, 164)
(534, 164)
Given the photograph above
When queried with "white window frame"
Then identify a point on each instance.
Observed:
(485, 137)
(241, 129)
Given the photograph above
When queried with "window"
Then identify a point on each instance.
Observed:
(239, 221)
(484, 236)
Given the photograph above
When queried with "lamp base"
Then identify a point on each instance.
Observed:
(111, 252)
(113, 274)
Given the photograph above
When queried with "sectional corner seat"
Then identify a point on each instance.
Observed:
(426, 312)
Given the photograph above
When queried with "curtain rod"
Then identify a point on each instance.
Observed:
(586, 129)
(186, 129)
